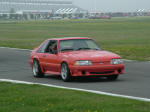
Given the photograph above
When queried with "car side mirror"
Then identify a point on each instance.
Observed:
(55, 52)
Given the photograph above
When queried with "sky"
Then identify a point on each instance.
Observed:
(113, 5)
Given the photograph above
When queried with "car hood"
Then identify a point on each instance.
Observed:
(93, 55)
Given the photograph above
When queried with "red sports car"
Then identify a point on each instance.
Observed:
(71, 57)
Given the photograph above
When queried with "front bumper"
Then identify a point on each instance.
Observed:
(96, 70)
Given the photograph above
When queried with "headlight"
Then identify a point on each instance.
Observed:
(116, 61)
(83, 63)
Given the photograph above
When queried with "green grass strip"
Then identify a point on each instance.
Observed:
(128, 37)
(36, 98)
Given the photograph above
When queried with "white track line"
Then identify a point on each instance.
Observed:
(91, 91)
(128, 60)
(31, 50)
(17, 49)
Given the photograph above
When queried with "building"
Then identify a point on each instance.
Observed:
(39, 9)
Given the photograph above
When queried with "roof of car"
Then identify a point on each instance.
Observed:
(69, 38)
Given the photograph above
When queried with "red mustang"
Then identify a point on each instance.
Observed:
(70, 57)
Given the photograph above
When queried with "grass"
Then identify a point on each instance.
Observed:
(128, 37)
(35, 98)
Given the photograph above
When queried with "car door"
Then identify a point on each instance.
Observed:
(51, 57)
(42, 54)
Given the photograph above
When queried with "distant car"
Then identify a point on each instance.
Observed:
(70, 57)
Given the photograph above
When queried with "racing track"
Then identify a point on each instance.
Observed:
(14, 64)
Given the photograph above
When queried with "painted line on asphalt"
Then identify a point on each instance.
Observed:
(17, 49)
(77, 89)
(128, 60)
(31, 50)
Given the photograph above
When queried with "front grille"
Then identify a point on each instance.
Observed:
(102, 63)
(101, 72)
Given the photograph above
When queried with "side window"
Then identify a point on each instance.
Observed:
(52, 47)
(43, 47)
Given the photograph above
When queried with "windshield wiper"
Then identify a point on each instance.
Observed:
(95, 49)
(67, 49)
(84, 48)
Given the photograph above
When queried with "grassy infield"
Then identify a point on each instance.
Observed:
(34, 98)
(128, 37)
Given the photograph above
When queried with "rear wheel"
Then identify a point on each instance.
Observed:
(37, 69)
(112, 77)
(65, 72)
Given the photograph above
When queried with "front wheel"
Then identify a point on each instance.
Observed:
(37, 69)
(65, 72)
(112, 77)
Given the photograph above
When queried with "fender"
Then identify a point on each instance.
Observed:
(37, 58)
(69, 63)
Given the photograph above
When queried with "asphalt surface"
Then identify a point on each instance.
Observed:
(14, 64)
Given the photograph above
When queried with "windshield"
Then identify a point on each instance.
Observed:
(78, 44)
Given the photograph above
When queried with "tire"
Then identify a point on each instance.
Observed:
(37, 69)
(112, 77)
(65, 73)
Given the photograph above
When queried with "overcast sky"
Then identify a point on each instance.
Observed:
(113, 5)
